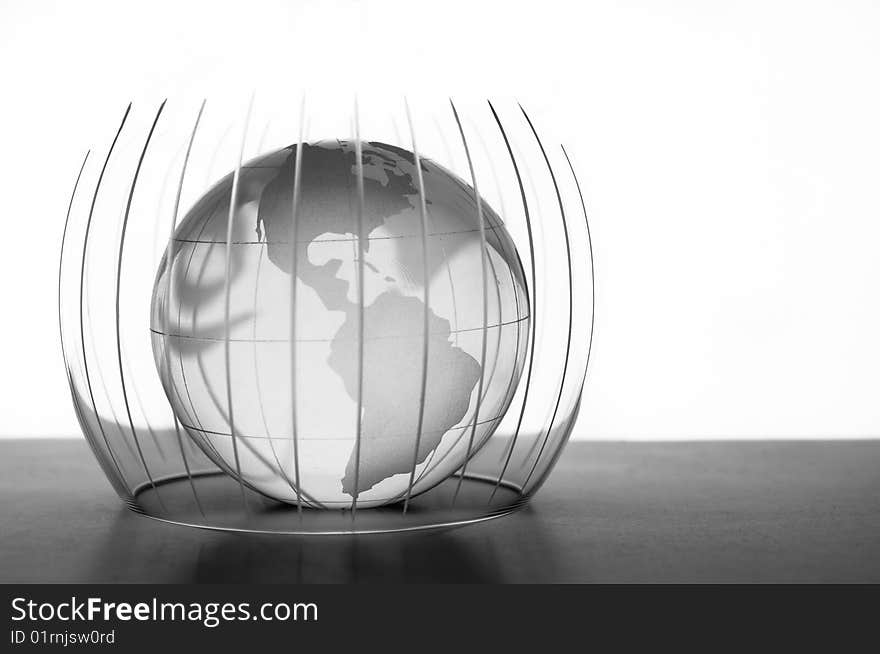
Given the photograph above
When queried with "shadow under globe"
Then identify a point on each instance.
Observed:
(283, 416)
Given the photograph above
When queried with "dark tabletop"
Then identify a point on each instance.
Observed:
(611, 512)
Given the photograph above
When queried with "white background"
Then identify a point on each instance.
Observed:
(730, 154)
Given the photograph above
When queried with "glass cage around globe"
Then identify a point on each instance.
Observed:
(307, 442)
(264, 331)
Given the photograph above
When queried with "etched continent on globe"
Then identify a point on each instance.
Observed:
(392, 385)
(189, 322)
(392, 374)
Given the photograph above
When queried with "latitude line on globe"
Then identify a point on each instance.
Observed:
(324, 340)
(490, 228)
(241, 436)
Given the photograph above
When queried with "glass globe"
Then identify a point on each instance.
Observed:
(328, 291)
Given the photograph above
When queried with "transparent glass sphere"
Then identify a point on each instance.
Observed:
(349, 426)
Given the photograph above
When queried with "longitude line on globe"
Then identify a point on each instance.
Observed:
(532, 309)
(485, 281)
(570, 301)
(119, 260)
(169, 271)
